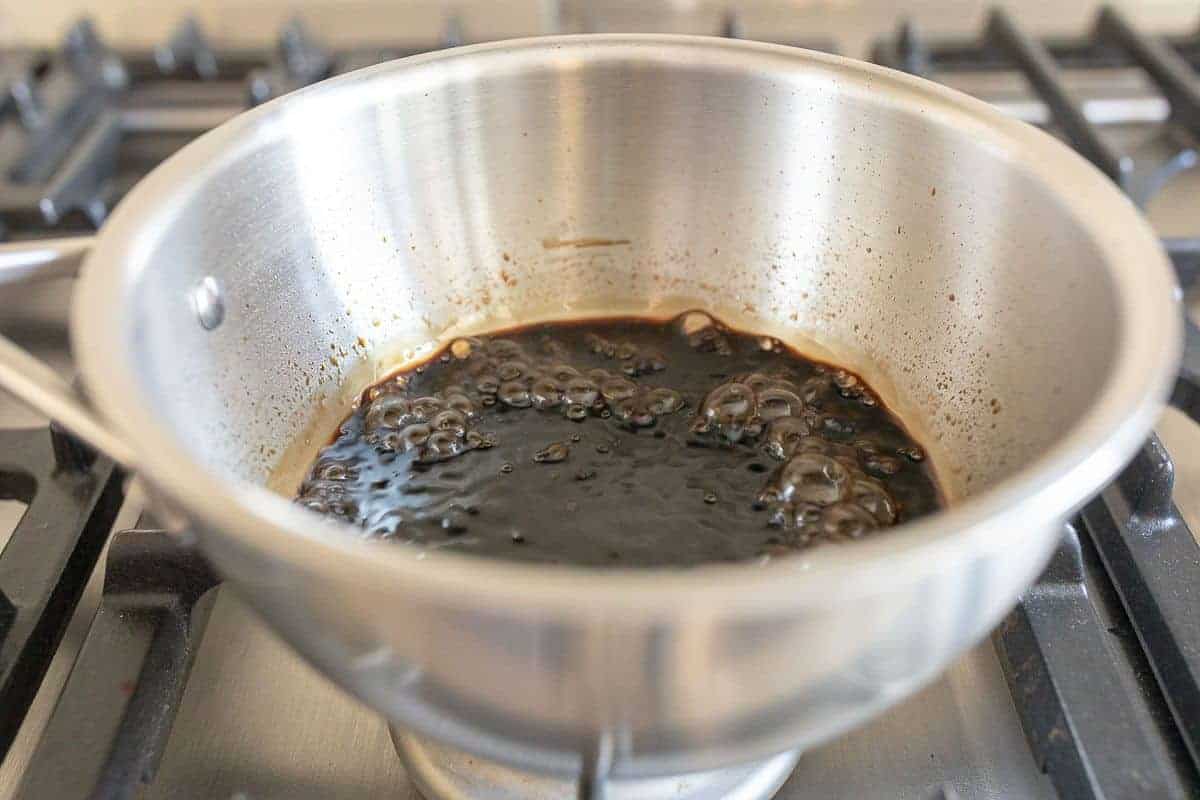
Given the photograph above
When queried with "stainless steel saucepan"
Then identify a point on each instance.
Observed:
(995, 288)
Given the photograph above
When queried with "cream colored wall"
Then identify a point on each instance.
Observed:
(853, 22)
(256, 21)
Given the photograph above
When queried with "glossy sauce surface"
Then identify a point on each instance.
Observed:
(623, 442)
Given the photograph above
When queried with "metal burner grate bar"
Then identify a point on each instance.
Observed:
(83, 181)
(1154, 562)
(1089, 727)
(1039, 67)
(72, 503)
(1172, 74)
(300, 61)
(1185, 255)
(907, 50)
(130, 674)
(187, 48)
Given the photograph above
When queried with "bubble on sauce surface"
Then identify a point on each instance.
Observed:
(615, 389)
(552, 453)
(847, 521)
(872, 497)
(694, 321)
(546, 392)
(785, 435)
(711, 340)
(514, 394)
(746, 404)
(809, 478)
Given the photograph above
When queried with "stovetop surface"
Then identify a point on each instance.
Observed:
(256, 722)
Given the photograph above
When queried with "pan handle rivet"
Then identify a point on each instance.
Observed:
(207, 303)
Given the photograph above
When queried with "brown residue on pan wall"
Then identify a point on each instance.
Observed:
(554, 243)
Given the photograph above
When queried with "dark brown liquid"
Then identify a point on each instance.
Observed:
(622, 442)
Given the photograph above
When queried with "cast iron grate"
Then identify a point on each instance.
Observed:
(82, 123)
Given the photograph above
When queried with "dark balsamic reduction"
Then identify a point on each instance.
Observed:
(622, 442)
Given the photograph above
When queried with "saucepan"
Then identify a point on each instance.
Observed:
(998, 291)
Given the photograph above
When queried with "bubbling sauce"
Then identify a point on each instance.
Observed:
(622, 442)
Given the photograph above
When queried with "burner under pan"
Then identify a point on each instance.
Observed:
(444, 773)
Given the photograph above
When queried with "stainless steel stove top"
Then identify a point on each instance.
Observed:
(255, 722)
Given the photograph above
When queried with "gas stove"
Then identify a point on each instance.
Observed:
(126, 670)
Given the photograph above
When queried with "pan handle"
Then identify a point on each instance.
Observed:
(27, 262)
(28, 379)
